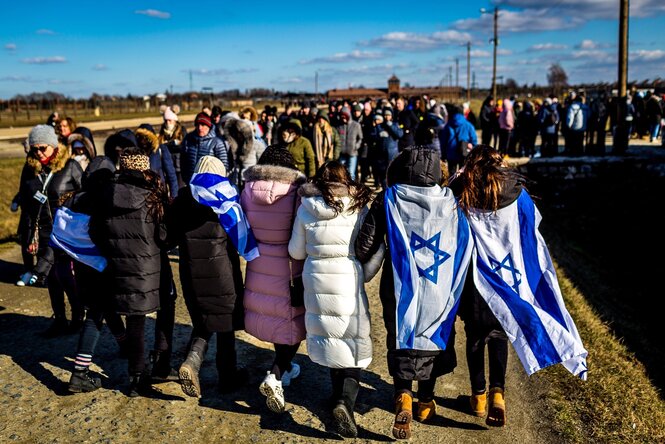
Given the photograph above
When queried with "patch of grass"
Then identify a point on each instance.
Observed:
(618, 403)
(10, 175)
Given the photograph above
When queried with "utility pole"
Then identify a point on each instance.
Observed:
(468, 72)
(450, 75)
(623, 47)
(496, 43)
(191, 88)
(457, 72)
(316, 85)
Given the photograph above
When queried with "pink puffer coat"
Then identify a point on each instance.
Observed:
(269, 201)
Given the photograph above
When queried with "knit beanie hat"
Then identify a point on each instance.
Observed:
(43, 135)
(210, 164)
(170, 115)
(203, 119)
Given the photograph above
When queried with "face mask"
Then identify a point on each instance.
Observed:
(288, 137)
(80, 158)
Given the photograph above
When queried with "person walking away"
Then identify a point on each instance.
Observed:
(336, 306)
(506, 126)
(384, 145)
(456, 138)
(126, 224)
(576, 122)
(548, 117)
(420, 283)
(273, 312)
(210, 229)
(511, 289)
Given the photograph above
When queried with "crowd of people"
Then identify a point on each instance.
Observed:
(290, 200)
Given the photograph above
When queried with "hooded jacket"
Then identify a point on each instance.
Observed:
(161, 161)
(457, 129)
(336, 307)
(195, 147)
(300, 148)
(130, 239)
(269, 200)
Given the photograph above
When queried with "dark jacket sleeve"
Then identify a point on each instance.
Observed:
(373, 230)
(221, 150)
(169, 171)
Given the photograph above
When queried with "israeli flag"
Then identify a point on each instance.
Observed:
(430, 249)
(514, 274)
(70, 234)
(217, 192)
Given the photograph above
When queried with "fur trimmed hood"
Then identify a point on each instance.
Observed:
(147, 140)
(89, 147)
(56, 164)
(274, 173)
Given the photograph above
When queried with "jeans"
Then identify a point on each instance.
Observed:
(351, 163)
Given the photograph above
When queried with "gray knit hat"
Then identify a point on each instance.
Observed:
(43, 135)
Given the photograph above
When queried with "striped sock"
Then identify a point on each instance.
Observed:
(82, 362)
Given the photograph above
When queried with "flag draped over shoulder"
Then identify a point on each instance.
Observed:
(430, 248)
(217, 192)
(70, 234)
(515, 275)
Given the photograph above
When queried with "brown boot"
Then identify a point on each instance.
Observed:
(403, 416)
(496, 415)
(479, 404)
(425, 411)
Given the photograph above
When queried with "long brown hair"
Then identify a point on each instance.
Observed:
(332, 174)
(482, 179)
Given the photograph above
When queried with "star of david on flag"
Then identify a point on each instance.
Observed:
(417, 243)
(507, 264)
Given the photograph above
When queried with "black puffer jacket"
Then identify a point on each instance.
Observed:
(130, 239)
(418, 166)
(210, 274)
(67, 174)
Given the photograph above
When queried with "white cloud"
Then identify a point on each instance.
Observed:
(643, 55)
(11, 47)
(528, 20)
(368, 70)
(342, 57)
(64, 82)
(594, 55)
(504, 52)
(592, 9)
(45, 32)
(16, 79)
(480, 53)
(219, 71)
(407, 41)
(44, 60)
(546, 47)
(100, 67)
(154, 13)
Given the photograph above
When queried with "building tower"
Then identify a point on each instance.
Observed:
(393, 86)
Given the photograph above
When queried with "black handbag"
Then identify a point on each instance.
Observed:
(297, 289)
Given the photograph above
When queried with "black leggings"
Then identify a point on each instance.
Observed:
(284, 354)
(226, 358)
(425, 388)
(92, 327)
(497, 351)
(61, 281)
(135, 344)
(166, 314)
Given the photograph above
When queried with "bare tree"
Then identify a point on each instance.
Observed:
(557, 77)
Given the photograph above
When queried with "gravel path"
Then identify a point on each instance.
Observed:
(36, 407)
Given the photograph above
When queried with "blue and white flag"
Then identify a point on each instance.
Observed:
(217, 192)
(430, 249)
(515, 275)
(70, 234)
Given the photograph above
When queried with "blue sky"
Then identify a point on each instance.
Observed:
(148, 46)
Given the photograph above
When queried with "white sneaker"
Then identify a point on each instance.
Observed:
(26, 278)
(271, 388)
(290, 375)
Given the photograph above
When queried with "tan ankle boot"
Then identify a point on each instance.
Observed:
(403, 416)
(496, 415)
(425, 411)
(479, 404)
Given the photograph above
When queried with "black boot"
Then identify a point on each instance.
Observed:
(139, 385)
(161, 367)
(189, 370)
(343, 411)
(59, 327)
(230, 382)
(75, 326)
(83, 381)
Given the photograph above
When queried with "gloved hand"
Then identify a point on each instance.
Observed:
(14, 206)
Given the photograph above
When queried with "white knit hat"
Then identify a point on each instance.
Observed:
(170, 115)
(210, 164)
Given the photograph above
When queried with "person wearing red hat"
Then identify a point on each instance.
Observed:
(202, 142)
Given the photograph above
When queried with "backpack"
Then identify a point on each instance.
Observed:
(550, 118)
(578, 120)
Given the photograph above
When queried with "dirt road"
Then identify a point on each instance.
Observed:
(36, 407)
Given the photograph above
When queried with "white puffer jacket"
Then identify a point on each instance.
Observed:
(336, 307)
